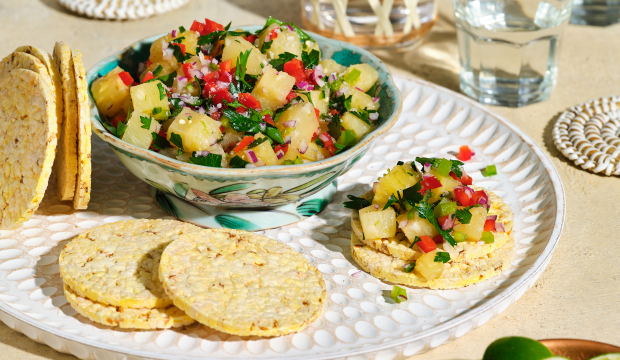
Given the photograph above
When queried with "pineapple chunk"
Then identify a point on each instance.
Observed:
(264, 152)
(286, 41)
(359, 127)
(360, 100)
(197, 131)
(332, 67)
(306, 124)
(476, 226)
(110, 92)
(291, 155)
(321, 104)
(315, 153)
(447, 182)
(234, 45)
(427, 267)
(397, 179)
(147, 97)
(192, 90)
(168, 64)
(368, 77)
(190, 40)
(272, 88)
(417, 227)
(377, 223)
(136, 133)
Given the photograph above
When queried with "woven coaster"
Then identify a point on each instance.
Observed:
(122, 9)
(589, 134)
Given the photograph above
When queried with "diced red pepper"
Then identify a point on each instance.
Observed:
(291, 96)
(334, 112)
(478, 195)
(316, 133)
(426, 244)
(431, 182)
(465, 179)
(329, 144)
(216, 116)
(251, 38)
(295, 68)
(226, 65)
(464, 153)
(198, 27)
(244, 143)
(126, 78)
(218, 93)
(269, 120)
(182, 46)
(241, 109)
(249, 101)
(118, 119)
(274, 33)
(211, 77)
(438, 239)
(464, 195)
(489, 225)
(148, 63)
(221, 95)
(186, 67)
(211, 26)
(318, 113)
(284, 148)
(147, 77)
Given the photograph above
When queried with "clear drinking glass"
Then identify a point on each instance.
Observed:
(509, 48)
(595, 12)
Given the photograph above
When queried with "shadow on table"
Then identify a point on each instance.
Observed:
(284, 10)
(22, 342)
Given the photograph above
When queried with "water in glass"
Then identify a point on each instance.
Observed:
(509, 49)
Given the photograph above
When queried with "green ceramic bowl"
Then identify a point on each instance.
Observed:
(262, 187)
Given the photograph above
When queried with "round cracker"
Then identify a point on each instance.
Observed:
(54, 74)
(28, 132)
(66, 161)
(242, 283)
(117, 264)
(398, 245)
(82, 188)
(455, 274)
(147, 319)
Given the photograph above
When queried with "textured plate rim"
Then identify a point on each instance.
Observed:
(535, 270)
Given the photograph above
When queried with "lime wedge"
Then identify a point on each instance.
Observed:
(516, 348)
(613, 356)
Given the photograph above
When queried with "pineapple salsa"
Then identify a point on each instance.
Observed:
(430, 205)
(215, 97)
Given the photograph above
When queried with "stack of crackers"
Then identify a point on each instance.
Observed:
(44, 122)
(154, 274)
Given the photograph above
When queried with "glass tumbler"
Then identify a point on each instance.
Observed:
(509, 48)
(595, 12)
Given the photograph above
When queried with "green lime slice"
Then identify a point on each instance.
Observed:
(516, 348)
(613, 356)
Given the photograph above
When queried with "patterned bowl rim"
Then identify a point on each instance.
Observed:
(531, 274)
(264, 170)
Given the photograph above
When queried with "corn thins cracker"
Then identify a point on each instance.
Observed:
(28, 130)
(82, 188)
(242, 283)
(66, 163)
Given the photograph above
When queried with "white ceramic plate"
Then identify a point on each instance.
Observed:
(360, 321)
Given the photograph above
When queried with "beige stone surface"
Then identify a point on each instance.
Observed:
(576, 297)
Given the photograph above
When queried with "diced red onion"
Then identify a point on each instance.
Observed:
(483, 200)
(141, 67)
(402, 297)
(262, 126)
(375, 99)
(195, 73)
(469, 190)
(377, 206)
(359, 89)
(492, 217)
(260, 163)
(168, 53)
(448, 224)
(375, 187)
(202, 153)
(339, 92)
(303, 146)
(333, 77)
(205, 70)
(157, 127)
(317, 132)
(373, 116)
(403, 224)
(280, 154)
(287, 139)
(268, 38)
(302, 85)
(201, 110)
(324, 138)
(319, 82)
(473, 153)
(251, 155)
(310, 87)
(174, 33)
(318, 71)
(182, 81)
(357, 274)
(291, 28)
(165, 45)
(289, 124)
(427, 167)
(499, 227)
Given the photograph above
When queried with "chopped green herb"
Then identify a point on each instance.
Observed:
(415, 241)
(399, 294)
(335, 127)
(146, 122)
(211, 160)
(182, 29)
(168, 80)
(159, 142)
(156, 110)
(157, 70)
(409, 267)
(176, 140)
(237, 162)
(442, 257)
(464, 215)
(347, 138)
(310, 60)
(425, 210)
(274, 134)
(356, 203)
(266, 46)
(282, 59)
(120, 129)
(162, 91)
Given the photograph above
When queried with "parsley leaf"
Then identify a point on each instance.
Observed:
(168, 79)
(412, 194)
(242, 85)
(392, 199)
(162, 91)
(356, 203)
(409, 267)
(157, 70)
(159, 142)
(464, 215)
(156, 110)
(442, 257)
(178, 53)
(457, 166)
(415, 241)
(282, 59)
(363, 114)
(176, 140)
(310, 60)
(211, 160)
(425, 210)
(266, 46)
(257, 142)
(110, 128)
(120, 129)
(241, 123)
(334, 127)
(146, 122)
(237, 162)
(274, 134)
